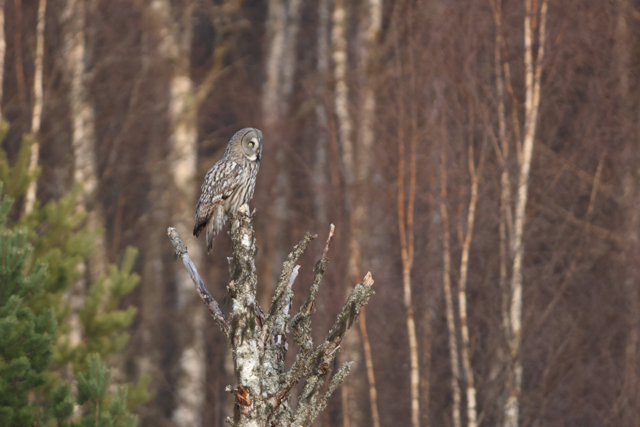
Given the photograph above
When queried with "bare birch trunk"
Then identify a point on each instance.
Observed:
(83, 135)
(446, 279)
(341, 97)
(83, 140)
(502, 150)
(350, 410)
(355, 203)
(462, 294)
(289, 57)
(183, 140)
(82, 144)
(271, 100)
(184, 101)
(36, 115)
(406, 231)
(630, 394)
(368, 106)
(371, 28)
(174, 49)
(17, 41)
(322, 145)
(282, 29)
(533, 73)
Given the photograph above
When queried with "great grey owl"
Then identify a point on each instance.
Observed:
(229, 184)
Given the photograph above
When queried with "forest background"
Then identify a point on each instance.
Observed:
(480, 157)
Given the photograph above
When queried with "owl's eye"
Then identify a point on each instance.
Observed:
(251, 144)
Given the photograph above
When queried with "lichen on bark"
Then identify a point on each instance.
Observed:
(258, 339)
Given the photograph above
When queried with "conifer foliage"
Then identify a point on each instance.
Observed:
(39, 258)
(26, 339)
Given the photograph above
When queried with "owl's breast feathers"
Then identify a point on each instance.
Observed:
(219, 184)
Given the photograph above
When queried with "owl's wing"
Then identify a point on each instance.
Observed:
(219, 183)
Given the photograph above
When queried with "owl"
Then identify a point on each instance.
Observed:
(229, 184)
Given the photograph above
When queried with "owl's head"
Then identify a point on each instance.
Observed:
(249, 143)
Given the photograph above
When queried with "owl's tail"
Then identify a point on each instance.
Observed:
(214, 225)
(211, 235)
(197, 229)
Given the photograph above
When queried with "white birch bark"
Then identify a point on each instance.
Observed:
(271, 100)
(289, 57)
(183, 140)
(174, 48)
(283, 24)
(446, 280)
(322, 144)
(82, 115)
(36, 115)
(628, 398)
(407, 238)
(83, 141)
(533, 73)
(341, 96)
(502, 150)
(351, 410)
(462, 296)
(370, 29)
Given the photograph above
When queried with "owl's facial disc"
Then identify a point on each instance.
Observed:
(251, 146)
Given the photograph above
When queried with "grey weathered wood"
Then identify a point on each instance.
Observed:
(182, 253)
(259, 340)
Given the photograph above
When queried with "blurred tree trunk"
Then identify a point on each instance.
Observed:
(474, 173)
(84, 151)
(322, 145)
(629, 400)
(18, 61)
(533, 72)
(83, 140)
(407, 237)
(283, 24)
(174, 31)
(36, 114)
(446, 280)
(351, 409)
(502, 150)
(370, 27)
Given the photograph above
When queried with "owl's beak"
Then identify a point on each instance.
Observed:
(259, 154)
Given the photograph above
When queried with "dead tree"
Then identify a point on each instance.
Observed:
(258, 339)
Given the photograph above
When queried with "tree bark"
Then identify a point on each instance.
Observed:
(322, 144)
(350, 409)
(446, 279)
(282, 28)
(406, 231)
(36, 114)
(258, 338)
(174, 48)
(629, 399)
(83, 140)
(462, 292)
(371, 27)
(533, 71)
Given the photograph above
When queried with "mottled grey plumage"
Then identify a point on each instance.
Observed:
(229, 184)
